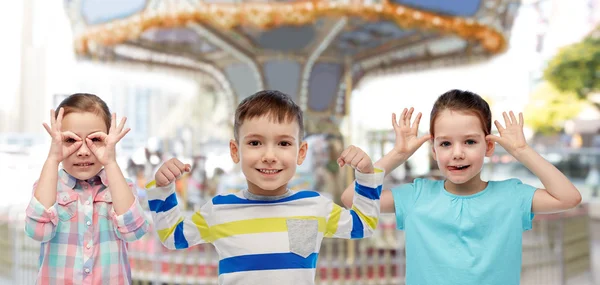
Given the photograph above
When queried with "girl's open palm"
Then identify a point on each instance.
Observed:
(407, 140)
(103, 145)
(511, 137)
(63, 143)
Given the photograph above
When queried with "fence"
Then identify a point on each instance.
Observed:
(555, 251)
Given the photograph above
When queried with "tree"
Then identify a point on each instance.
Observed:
(548, 109)
(576, 68)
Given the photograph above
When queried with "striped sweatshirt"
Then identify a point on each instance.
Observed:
(266, 241)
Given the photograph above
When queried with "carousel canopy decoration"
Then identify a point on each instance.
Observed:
(316, 51)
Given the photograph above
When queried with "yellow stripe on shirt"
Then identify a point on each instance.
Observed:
(261, 225)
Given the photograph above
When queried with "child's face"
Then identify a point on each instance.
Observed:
(459, 146)
(82, 164)
(269, 153)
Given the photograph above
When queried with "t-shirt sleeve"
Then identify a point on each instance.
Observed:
(405, 197)
(524, 194)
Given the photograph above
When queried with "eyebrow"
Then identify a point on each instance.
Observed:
(260, 136)
(467, 136)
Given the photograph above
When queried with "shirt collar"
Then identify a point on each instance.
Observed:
(71, 181)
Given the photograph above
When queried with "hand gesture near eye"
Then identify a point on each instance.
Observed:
(63, 143)
(103, 145)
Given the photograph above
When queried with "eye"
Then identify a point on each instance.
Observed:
(445, 144)
(285, 143)
(96, 140)
(470, 142)
(254, 143)
(70, 140)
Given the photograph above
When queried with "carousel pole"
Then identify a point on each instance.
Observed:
(349, 175)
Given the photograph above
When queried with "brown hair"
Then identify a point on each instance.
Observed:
(464, 101)
(276, 104)
(84, 102)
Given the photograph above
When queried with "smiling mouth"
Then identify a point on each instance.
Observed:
(269, 171)
(83, 164)
(458, 167)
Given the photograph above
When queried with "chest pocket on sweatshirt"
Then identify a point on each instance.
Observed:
(67, 206)
(103, 203)
(302, 235)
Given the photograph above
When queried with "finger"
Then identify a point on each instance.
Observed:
(187, 168)
(394, 122)
(415, 124)
(493, 138)
(52, 117)
(521, 120)
(357, 159)
(499, 126)
(74, 147)
(47, 128)
(341, 162)
(98, 135)
(123, 133)
(506, 119)
(423, 139)
(179, 164)
(174, 169)
(350, 156)
(513, 118)
(121, 125)
(346, 151)
(169, 175)
(113, 122)
(365, 165)
(162, 179)
(408, 117)
(71, 135)
(401, 119)
(59, 118)
(91, 145)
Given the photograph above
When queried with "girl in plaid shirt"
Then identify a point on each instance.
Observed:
(84, 213)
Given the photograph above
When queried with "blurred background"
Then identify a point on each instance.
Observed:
(177, 70)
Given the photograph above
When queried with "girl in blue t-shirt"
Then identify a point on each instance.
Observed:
(463, 230)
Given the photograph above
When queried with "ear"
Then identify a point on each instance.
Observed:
(302, 152)
(234, 151)
(433, 150)
(490, 147)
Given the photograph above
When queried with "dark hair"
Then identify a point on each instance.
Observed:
(276, 104)
(464, 101)
(84, 102)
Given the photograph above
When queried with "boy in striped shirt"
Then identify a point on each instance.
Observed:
(267, 234)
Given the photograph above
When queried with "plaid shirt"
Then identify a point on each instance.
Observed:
(83, 240)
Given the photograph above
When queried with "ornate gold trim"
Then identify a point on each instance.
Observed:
(272, 15)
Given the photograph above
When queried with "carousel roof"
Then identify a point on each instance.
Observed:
(320, 42)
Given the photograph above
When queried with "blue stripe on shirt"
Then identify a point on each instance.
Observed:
(357, 226)
(163, 206)
(368, 192)
(269, 261)
(233, 199)
(179, 237)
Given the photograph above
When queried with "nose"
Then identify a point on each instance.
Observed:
(269, 155)
(458, 153)
(83, 151)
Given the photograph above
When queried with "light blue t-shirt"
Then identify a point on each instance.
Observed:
(463, 240)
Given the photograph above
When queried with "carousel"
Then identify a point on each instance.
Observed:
(315, 51)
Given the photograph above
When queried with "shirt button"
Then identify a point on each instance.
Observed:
(88, 223)
(88, 246)
(87, 202)
(87, 270)
(65, 199)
